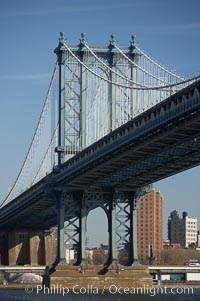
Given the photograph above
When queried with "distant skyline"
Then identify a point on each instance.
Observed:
(169, 31)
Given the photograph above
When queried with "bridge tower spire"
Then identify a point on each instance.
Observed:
(60, 52)
(111, 90)
(83, 94)
(135, 56)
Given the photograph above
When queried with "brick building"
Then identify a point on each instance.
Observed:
(150, 226)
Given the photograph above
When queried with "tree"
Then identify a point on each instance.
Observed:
(178, 256)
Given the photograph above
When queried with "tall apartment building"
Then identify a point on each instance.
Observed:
(198, 239)
(150, 225)
(176, 229)
(182, 230)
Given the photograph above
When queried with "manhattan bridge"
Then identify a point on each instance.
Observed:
(113, 122)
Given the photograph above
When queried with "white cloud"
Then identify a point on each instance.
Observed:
(26, 77)
(188, 26)
(176, 27)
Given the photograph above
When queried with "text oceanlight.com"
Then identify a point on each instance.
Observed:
(110, 289)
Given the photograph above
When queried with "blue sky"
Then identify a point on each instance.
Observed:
(169, 31)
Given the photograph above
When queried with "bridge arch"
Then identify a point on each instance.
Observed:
(97, 236)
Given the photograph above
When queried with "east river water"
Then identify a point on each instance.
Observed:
(92, 294)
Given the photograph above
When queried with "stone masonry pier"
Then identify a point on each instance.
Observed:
(75, 277)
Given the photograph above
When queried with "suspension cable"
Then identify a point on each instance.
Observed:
(158, 65)
(53, 136)
(32, 141)
(126, 86)
(110, 69)
(142, 69)
(131, 61)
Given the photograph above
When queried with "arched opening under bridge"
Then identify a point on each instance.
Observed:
(97, 237)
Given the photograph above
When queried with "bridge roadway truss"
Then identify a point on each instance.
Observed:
(113, 173)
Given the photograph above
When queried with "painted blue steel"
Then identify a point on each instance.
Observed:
(60, 223)
(116, 169)
(179, 110)
(147, 123)
(61, 110)
(112, 259)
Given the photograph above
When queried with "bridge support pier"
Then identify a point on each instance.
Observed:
(3, 248)
(121, 209)
(112, 259)
(61, 225)
(23, 246)
(133, 252)
(37, 248)
(18, 248)
(50, 242)
(34, 248)
(126, 226)
(82, 235)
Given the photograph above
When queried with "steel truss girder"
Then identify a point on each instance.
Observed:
(155, 164)
(121, 211)
(72, 214)
(126, 221)
(77, 206)
(137, 148)
(161, 157)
